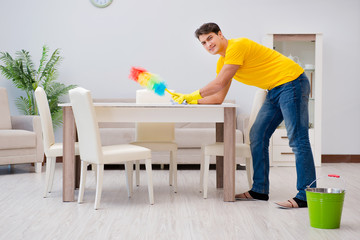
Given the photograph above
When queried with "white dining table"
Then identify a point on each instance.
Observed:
(223, 115)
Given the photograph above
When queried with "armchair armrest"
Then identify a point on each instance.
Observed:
(24, 122)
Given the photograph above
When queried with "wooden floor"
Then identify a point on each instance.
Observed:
(25, 214)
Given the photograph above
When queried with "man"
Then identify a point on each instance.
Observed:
(288, 91)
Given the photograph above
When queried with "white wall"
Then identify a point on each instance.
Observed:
(100, 45)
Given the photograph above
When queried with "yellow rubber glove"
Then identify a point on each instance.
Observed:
(190, 98)
(193, 102)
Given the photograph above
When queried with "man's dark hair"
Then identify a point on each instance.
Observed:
(207, 28)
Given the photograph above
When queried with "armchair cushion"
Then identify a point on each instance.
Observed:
(15, 139)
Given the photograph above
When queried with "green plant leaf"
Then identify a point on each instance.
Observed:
(25, 58)
(23, 105)
(57, 118)
(43, 59)
(51, 67)
(21, 71)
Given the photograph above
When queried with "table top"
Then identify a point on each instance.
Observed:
(158, 112)
(156, 105)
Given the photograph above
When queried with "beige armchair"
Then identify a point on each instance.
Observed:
(20, 137)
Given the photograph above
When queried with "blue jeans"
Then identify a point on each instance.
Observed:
(288, 102)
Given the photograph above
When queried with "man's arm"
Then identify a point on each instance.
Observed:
(214, 92)
(216, 98)
(221, 81)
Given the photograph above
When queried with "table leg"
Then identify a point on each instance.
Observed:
(229, 154)
(219, 159)
(69, 135)
(77, 171)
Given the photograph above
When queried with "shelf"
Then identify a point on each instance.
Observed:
(307, 49)
(295, 37)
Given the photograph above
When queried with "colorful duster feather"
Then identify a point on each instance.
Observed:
(148, 80)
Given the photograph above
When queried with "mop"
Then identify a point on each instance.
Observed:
(149, 80)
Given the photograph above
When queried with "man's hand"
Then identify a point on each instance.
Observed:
(190, 98)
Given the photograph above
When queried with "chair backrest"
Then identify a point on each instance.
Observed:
(45, 116)
(5, 119)
(87, 125)
(154, 132)
(258, 101)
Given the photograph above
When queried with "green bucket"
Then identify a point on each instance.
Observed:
(325, 206)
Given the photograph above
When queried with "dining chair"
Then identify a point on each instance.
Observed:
(158, 137)
(51, 149)
(241, 149)
(92, 152)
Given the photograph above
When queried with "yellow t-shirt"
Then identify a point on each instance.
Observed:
(259, 66)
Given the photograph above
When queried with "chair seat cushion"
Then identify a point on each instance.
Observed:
(128, 152)
(56, 150)
(158, 146)
(14, 139)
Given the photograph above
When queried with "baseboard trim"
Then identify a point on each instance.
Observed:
(346, 158)
(325, 158)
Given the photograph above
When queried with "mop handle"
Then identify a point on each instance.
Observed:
(169, 91)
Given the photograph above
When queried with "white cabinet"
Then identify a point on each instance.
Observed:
(280, 152)
(306, 49)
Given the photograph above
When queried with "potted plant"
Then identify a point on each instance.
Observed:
(22, 72)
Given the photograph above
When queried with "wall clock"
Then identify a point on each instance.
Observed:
(101, 3)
